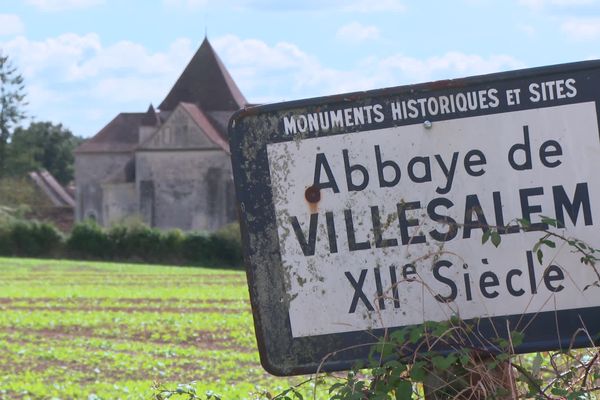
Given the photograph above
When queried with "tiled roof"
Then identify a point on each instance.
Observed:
(210, 96)
(220, 120)
(51, 188)
(119, 135)
(205, 82)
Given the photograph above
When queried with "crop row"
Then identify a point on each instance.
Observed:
(98, 330)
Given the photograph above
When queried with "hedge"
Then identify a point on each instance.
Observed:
(137, 242)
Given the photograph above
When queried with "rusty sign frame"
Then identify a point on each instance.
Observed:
(252, 129)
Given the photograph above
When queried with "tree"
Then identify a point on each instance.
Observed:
(12, 101)
(43, 145)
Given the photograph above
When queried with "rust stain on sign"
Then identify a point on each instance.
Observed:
(313, 197)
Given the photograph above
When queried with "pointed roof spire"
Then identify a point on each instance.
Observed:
(150, 118)
(205, 82)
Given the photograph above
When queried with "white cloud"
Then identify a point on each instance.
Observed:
(53, 55)
(10, 24)
(62, 5)
(449, 65)
(582, 28)
(356, 32)
(71, 57)
(284, 71)
(69, 75)
(281, 71)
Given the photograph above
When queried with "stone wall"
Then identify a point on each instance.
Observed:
(91, 170)
(190, 190)
(119, 202)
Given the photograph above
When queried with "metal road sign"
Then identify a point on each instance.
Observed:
(365, 212)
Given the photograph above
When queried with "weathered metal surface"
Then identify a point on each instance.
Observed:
(363, 213)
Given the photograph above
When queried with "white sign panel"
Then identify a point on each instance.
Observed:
(396, 237)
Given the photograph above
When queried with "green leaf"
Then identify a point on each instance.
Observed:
(415, 335)
(549, 243)
(418, 372)
(335, 386)
(539, 255)
(517, 337)
(549, 221)
(403, 390)
(399, 336)
(524, 222)
(443, 363)
(486, 236)
(496, 239)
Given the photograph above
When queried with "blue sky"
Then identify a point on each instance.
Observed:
(86, 60)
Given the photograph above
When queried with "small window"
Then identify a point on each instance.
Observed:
(91, 215)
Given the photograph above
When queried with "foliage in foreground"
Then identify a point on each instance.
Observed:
(464, 374)
(453, 360)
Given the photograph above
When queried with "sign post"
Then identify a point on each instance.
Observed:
(364, 213)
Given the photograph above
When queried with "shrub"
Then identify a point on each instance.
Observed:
(221, 247)
(117, 236)
(34, 239)
(172, 246)
(228, 241)
(5, 240)
(88, 240)
(144, 243)
(121, 242)
(195, 247)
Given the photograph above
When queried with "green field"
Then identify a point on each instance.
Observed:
(86, 330)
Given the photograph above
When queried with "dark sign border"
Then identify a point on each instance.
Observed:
(253, 128)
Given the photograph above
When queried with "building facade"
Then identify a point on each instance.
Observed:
(169, 167)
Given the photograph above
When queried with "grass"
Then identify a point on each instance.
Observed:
(71, 329)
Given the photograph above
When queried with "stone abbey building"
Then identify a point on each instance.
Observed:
(171, 166)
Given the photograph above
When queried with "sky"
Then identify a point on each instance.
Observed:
(84, 61)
